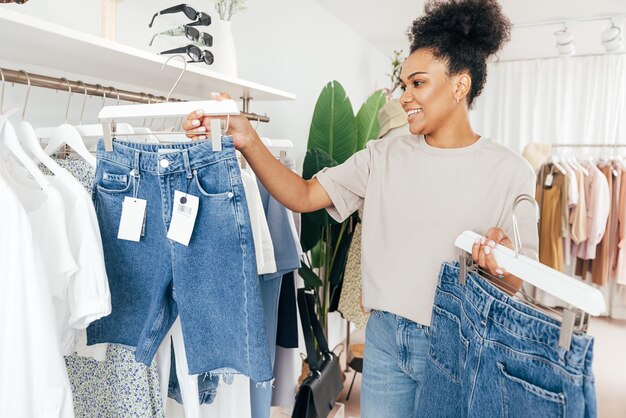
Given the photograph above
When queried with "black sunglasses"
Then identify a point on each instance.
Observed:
(193, 34)
(195, 53)
(202, 19)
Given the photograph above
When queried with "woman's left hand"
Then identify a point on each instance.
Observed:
(482, 254)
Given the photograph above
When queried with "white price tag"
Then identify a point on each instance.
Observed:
(216, 134)
(133, 219)
(183, 217)
(549, 180)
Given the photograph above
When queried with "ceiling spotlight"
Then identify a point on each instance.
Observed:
(565, 42)
(612, 40)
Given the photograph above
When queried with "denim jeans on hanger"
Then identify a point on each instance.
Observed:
(493, 356)
(212, 283)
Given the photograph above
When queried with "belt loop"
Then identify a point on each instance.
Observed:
(187, 165)
(136, 164)
(136, 174)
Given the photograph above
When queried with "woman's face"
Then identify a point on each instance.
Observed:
(429, 93)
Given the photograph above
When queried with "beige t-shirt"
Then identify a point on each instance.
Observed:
(416, 200)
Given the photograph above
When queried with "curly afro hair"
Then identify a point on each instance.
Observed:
(463, 34)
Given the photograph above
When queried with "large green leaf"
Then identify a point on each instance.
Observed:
(310, 278)
(333, 128)
(311, 233)
(367, 118)
(314, 161)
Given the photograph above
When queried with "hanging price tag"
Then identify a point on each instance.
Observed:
(133, 219)
(183, 217)
(549, 180)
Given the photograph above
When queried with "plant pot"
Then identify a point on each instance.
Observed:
(224, 48)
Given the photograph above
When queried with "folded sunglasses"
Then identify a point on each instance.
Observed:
(201, 18)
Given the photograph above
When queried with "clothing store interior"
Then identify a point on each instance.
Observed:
(162, 256)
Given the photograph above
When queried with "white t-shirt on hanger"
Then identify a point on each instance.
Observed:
(34, 381)
(65, 222)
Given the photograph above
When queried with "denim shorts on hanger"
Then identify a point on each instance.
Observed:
(493, 356)
(212, 283)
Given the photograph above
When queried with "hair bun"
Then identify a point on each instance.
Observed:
(476, 24)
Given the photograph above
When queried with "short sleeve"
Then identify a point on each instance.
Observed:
(346, 184)
(525, 213)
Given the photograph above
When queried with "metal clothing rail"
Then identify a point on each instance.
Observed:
(78, 87)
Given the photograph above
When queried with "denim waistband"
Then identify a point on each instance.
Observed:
(526, 322)
(180, 157)
(399, 319)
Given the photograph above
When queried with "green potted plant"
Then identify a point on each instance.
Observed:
(335, 135)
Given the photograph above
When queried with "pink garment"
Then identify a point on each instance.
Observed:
(598, 201)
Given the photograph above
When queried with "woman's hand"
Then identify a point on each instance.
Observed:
(482, 254)
(198, 126)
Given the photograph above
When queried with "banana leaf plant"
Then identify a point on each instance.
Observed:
(335, 135)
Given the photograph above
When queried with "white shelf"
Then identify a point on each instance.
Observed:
(36, 44)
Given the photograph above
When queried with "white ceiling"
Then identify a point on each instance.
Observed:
(384, 23)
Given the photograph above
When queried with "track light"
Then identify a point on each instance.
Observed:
(565, 42)
(612, 39)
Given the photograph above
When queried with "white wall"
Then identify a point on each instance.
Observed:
(292, 45)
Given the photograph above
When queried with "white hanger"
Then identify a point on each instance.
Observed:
(573, 162)
(109, 114)
(28, 138)
(566, 288)
(9, 141)
(67, 134)
(554, 159)
(87, 131)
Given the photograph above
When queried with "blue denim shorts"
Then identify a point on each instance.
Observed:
(491, 355)
(212, 283)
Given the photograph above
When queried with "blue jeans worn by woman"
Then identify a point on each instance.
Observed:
(395, 354)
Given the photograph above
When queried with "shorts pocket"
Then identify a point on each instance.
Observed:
(114, 183)
(521, 397)
(448, 347)
(214, 181)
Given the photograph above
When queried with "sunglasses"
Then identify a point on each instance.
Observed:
(201, 18)
(193, 34)
(195, 53)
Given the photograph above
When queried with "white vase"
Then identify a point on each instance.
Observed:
(225, 56)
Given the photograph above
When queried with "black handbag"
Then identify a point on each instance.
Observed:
(318, 392)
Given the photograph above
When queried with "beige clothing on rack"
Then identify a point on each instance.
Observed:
(598, 199)
(551, 200)
(600, 267)
(620, 273)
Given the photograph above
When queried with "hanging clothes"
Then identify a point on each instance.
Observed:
(350, 303)
(482, 338)
(549, 193)
(599, 267)
(212, 282)
(131, 385)
(30, 358)
(620, 262)
(598, 199)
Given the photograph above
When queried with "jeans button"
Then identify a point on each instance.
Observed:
(164, 163)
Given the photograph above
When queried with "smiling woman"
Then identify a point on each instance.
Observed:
(409, 188)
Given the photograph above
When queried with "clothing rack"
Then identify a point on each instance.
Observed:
(78, 87)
